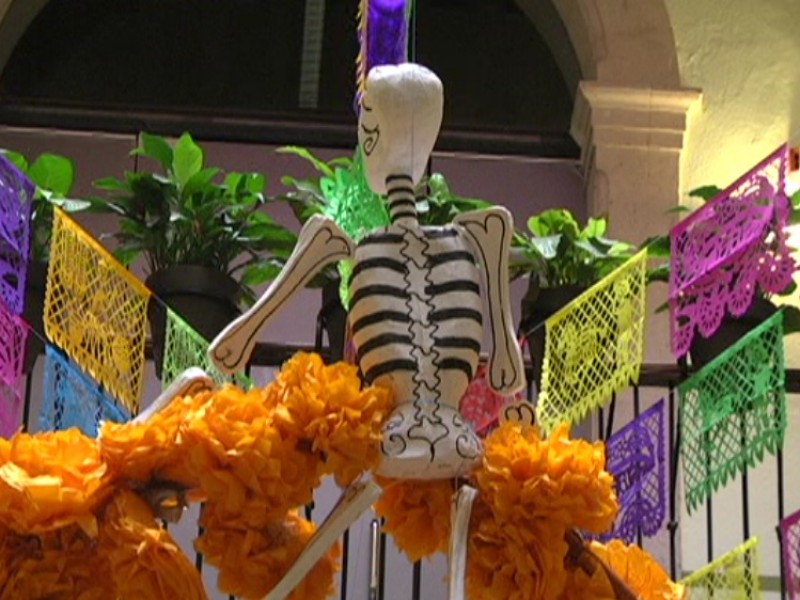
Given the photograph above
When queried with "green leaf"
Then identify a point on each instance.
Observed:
(791, 319)
(261, 272)
(595, 228)
(255, 183)
(547, 246)
(319, 164)
(53, 172)
(17, 159)
(706, 192)
(126, 255)
(155, 147)
(200, 182)
(659, 273)
(71, 205)
(187, 160)
(657, 246)
(111, 184)
(590, 248)
(681, 208)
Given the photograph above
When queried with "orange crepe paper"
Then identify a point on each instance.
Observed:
(646, 578)
(509, 562)
(51, 480)
(252, 561)
(325, 408)
(252, 456)
(59, 565)
(524, 478)
(145, 560)
(417, 515)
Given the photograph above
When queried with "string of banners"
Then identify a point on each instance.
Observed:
(727, 250)
(94, 318)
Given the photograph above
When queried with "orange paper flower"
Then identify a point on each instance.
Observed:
(51, 480)
(146, 562)
(251, 562)
(633, 565)
(417, 515)
(514, 563)
(325, 407)
(58, 565)
(524, 478)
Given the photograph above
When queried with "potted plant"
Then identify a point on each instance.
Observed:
(562, 259)
(704, 350)
(54, 176)
(204, 238)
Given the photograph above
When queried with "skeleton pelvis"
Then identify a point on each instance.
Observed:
(424, 439)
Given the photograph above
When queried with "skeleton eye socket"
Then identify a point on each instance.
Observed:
(371, 137)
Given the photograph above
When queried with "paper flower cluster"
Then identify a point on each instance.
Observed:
(75, 523)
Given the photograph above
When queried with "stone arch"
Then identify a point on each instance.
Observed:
(15, 17)
(625, 43)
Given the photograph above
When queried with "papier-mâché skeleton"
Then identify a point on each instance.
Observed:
(416, 312)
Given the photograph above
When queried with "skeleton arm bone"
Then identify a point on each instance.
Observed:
(320, 243)
(490, 232)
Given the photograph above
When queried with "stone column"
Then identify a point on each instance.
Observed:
(632, 142)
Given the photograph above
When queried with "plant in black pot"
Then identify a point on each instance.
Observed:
(54, 176)
(562, 259)
(204, 238)
(703, 350)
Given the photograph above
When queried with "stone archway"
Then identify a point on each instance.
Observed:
(15, 17)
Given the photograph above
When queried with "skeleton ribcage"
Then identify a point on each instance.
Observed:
(415, 312)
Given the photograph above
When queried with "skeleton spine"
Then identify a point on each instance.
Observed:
(402, 202)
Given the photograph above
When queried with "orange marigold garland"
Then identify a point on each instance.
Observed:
(154, 449)
(252, 456)
(417, 515)
(325, 407)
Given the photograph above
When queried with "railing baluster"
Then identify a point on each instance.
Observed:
(674, 454)
(781, 514)
(611, 410)
(636, 411)
(416, 582)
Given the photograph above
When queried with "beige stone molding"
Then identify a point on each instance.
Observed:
(626, 116)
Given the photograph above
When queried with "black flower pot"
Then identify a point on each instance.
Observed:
(34, 313)
(704, 350)
(538, 305)
(205, 298)
(333, 319)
